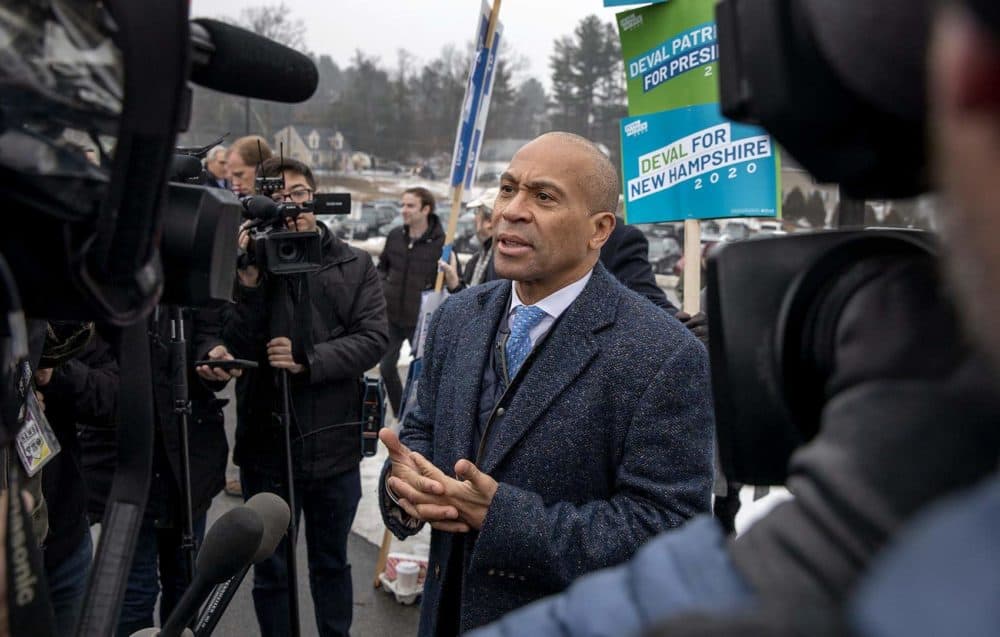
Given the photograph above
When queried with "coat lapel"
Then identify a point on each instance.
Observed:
(566, 353)
(473, 345)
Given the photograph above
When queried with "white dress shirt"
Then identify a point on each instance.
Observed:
(553, 305)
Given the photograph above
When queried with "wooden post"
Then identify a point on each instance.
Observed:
(692, 266)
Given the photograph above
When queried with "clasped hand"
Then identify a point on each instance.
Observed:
(426, 493)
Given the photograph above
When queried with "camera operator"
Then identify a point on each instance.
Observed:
(348, 335)
(80, 391)
(159, 565)
(245, 155)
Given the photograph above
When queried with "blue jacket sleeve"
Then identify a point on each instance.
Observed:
(681, 571)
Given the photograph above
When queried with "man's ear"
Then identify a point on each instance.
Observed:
(604, 224)
(970, 63)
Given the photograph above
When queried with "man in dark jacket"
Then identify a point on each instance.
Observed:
(81, 390)
(159, 565)
(338, 332)
(585, 410)
(408, 266)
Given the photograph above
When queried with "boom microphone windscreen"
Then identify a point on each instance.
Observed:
(228, 548)
(274, 513)
(233, 60)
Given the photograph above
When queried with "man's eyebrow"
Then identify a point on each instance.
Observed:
(538, 184)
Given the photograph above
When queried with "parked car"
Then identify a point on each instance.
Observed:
(735, 231)
(465, 231)
(771, 227)
(364, 226)
(386, 228)
(664, 252)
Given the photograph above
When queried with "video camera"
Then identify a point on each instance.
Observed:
(272, 246)
(775, 304)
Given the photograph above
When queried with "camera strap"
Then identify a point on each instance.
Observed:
(129, 490)
(29, 611)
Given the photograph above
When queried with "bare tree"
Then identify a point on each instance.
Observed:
(275, 21)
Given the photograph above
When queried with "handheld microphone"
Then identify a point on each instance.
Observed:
(275, 514)
(236, 61)
(228, 548)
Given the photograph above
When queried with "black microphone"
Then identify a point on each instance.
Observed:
(229, 546)
(233, 60)
(260, 207)
(184, 168)
(275, 515)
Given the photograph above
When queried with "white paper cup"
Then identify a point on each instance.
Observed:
(406, 575)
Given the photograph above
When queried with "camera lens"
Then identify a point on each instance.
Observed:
(289, 252)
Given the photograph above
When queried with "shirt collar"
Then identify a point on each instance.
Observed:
(557, 302)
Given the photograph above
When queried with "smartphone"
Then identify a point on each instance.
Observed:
(236, 363)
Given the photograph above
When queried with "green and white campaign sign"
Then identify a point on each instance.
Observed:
(671, 55)
(692, 163)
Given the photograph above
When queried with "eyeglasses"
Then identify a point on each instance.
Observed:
(298, 195)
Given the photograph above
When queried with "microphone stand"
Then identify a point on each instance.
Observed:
(182, 410)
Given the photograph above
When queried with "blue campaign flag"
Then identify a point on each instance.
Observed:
(472, 104)
(692, 163)
(484, 110)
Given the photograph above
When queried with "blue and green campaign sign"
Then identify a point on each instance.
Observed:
(692, 163)
(671, 55)
(622, 3)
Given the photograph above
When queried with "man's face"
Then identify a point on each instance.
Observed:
(217, 165)
(239, 174)
(412, 210)
(484, 224)
(298, 191)
(965, 74)
(543, 226)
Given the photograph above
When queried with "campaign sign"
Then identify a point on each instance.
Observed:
(622, 3)
(692, 163)
(671, 55)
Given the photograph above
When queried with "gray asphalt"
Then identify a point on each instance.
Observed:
(376, 613)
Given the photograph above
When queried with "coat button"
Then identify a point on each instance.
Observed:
(501, 412)
(491, 572)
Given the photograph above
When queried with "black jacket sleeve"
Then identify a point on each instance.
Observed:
(360, 346)
(86, 386)
(244, 325)
(626, 255)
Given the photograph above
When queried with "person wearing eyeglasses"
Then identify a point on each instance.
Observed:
(340, 332)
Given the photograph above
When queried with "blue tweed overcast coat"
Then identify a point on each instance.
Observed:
(607, 441)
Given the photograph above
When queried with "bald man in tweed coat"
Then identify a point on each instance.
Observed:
(539, 453)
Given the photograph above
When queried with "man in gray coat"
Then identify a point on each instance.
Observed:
(562, 419)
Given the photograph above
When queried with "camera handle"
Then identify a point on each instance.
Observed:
(182, 411)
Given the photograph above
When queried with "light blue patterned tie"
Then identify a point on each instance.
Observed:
(519, 344)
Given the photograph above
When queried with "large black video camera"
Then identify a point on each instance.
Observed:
(272, 246)
(793, 67)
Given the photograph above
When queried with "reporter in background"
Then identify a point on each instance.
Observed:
(215, 168)
(245, 156)
(479, 268)
(81, 391)
(159, 564)
(344, 310)
(408, 267)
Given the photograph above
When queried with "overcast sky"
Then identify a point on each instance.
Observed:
(381, 27)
